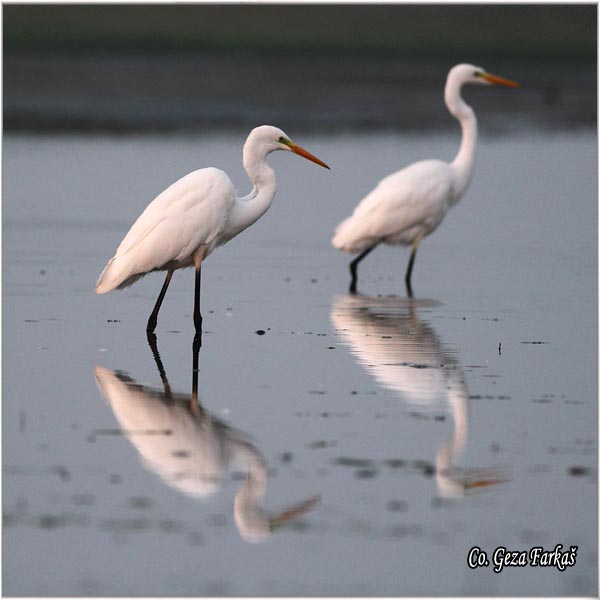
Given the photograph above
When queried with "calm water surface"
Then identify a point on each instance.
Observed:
(363, 444)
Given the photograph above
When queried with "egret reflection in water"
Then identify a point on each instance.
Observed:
(190, 449)
(405, 355)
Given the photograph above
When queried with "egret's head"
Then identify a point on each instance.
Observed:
(466, 73)
(272, 138)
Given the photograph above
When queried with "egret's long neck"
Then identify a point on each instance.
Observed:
(464, 162)
(250, 208)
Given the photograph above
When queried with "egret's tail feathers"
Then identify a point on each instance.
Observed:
(115, 276)
(349, 237)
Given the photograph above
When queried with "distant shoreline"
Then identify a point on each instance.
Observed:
(116, 93)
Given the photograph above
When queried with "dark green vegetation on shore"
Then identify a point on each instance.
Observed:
(443, 31)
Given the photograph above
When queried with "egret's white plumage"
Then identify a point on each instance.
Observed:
(194, 215)
(193, 451)
(410, 204)
(189, 215)
(406, 356)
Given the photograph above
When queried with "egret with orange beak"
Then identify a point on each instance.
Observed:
(410, 204)
(193, 216)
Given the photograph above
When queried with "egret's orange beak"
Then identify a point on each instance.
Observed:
(499, 80)
(295, 511)
(302, 152)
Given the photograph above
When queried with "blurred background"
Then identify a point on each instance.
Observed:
(335, 67)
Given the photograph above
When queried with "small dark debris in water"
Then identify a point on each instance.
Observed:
(531, 537)
(440, 418)
(353, 392)
(330, 347)
(260, 332)
(169, 526)
(406, 530)
(347, 461)
(386, 337)
(10, 519)
(577, 471)
(83, 499)
(50, 521)
(499, 348)
(113, 320)
(125, 525)
(395, 463)
(534, 342)
(397, 506)
(195, 538)
(464, 318)
(286, 457)
(42, 271)
(31, 320)
(365, 473)
(495, 447)
(140, 502)
(218, 520)
(115, 478)
(62, 472)
(322, 444)
(425, 467)
(314, 280)
(317, 392)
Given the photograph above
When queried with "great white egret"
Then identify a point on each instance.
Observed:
(410, 204)
(193, 216)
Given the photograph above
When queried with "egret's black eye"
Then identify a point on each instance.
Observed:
(477, 74)
(281, 139)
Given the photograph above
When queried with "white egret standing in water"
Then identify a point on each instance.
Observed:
(193, 216)
(410, 204)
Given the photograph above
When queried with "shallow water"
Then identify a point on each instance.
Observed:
(361, 445)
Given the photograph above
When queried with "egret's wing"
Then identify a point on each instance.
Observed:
(414, 195)
(188, 214)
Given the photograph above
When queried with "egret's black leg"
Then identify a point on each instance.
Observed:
(409, 269)
(354, 265)
(195, 405)
(159, 365)
(195, 353)
(197, 315)
(154, 316)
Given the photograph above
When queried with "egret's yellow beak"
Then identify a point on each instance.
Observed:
(302, 152)
(499, 80)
